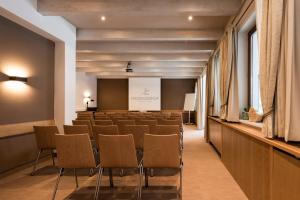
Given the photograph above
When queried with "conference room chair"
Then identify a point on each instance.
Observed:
(171, 122)
(85, 114)
(73, 152)
(162, 151)
(117, 151)
(76, 129)
(104, 122)
(101, 118)
(85, 122)
(122, 123)
(115, 119)
(167, 129)
(138, 132)
(104, 130)
(45, 140)
(150, 123)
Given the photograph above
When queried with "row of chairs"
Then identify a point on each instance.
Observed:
(117, 151)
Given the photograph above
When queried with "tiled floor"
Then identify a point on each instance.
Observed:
(204, 177)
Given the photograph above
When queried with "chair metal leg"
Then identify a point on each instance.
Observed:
(57, 182)
(111, 181)
(180, 189)
(76, 179)
(52, 155)
(99, 178)
(146, 178)
(141, 181)
(36, 162)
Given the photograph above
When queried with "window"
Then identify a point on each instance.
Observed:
(217, 98)
(254, 85)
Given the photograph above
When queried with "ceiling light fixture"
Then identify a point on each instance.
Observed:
(103, 18)
(190, 18)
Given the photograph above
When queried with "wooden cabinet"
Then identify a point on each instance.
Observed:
(286, 176)
(248, 161)
(215, 137)
(264, 169)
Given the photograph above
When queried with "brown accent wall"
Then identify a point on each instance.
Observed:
(112, 94)
(22, 51)
(173, 92)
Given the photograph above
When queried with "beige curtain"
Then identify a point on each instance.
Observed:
(269, 26)
(287, 103)
(228, 83)
(211, 85)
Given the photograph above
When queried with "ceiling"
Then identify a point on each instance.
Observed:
(155, 35)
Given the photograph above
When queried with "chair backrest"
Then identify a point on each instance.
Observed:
(122, 123)
(105, 130)
(103, 122)
(84, 122)
(102, 118)
(117, 151)
(170, 122)
(167, 129)
(76, 129)
(161, 151)
(115, 119)
(45, 136)
(138, 132)
(85, 114)
(150, 123)
(74, 151)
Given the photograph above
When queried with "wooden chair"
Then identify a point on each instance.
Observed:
(138, 132)
(162, 151)
(73, 152)
(151, 123)
(167, 129)
(102, 118)
(104, 130)
(122, 123)
(85, 122)
(103, 122)
(45, 140)
(76, 129)
(117, 151)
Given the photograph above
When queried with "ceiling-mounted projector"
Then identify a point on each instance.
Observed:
(128, 68)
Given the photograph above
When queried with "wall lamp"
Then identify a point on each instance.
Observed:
(17, 78)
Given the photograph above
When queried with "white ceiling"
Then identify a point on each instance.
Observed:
(155, 35)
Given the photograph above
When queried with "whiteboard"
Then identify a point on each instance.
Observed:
(144, 94)
(189, 102)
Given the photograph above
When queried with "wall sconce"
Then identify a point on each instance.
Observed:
(17, 78)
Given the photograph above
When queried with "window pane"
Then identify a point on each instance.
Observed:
(255, 85)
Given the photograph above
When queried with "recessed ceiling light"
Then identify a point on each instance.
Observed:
(103, 18)
(190, 18)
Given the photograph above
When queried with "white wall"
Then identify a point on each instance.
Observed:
(63, 33)
(85, 84)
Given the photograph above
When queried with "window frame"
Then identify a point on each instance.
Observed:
(250, 33)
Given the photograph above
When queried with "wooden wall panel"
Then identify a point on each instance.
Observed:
(17, 150)
(215, 137)
(286, 177)
(248, 161)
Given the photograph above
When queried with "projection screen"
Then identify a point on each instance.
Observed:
(144, 94)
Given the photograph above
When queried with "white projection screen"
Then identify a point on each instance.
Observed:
(144, 94)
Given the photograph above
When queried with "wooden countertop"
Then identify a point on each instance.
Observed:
(9, 130)
(255, 132)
